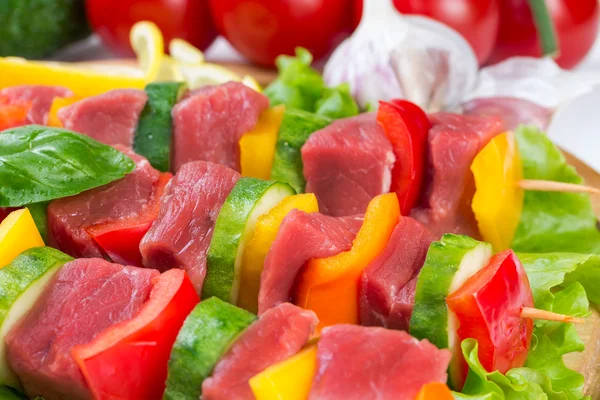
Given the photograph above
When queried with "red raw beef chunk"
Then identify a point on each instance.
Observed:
(277, 335)
(511, 110)
(347, 164)
(209, 122)
(39, 96)
(387, 285)
(301, 237)
(453, 142)
(85, 297)
(110, 118)
(130, 202)
(356, 362)
(180, 236)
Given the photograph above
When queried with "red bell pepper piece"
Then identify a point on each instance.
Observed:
(407, 127)
(120, 239)
(129, 360)
(12, 115)
(489, 306)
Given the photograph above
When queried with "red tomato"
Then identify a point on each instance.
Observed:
(576, 23)
(263, 29)
(489, 306)
(186, 19)
(129, 360)
(476, 20)
(407, 127)
(121, 239)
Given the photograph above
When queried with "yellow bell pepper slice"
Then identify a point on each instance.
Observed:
(329, 286)
(257, 248)
(288, 380)
(498, 200)
(257, 147)
(57, 104)
(17, 234)
(83, 82)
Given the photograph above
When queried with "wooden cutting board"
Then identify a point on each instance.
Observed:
(588, 362)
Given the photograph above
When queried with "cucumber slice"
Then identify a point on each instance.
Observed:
(449, 263)
(295, 128)
(205, 336)
(249, 199)
(153, 134)
(21, 283)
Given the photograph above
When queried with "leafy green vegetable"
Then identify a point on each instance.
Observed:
(552, 340)
(301, 86)
(39, 164)
(552, 221)
(37, 28)
(298, 84)
(518, 383)
(549, 270)
(337, 102)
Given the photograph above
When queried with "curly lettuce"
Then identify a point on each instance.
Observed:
(302, 87)
(552, 221)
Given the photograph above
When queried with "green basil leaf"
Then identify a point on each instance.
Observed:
(39, 163)
(39, 213)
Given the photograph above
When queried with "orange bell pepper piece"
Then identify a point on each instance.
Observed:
(435, 391)
(57, 104)
(329, 286)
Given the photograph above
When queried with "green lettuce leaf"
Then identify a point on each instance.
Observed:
(337, 103)
(298, 84)
(302, 87)
(552, 340)
(552, 221)
(549, 270)
(39, 164)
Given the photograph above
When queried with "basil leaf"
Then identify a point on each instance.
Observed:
(39, 163)
(39, 213)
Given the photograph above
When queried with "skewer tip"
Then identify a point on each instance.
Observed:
(552, 186)
(534, 313)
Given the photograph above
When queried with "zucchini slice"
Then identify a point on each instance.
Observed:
(153, 134)
(449, 264)
(294, 131)
(21, 283)
(248, 200)
(205, 336)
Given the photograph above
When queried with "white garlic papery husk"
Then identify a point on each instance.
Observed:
(394, 56)
(538, 80)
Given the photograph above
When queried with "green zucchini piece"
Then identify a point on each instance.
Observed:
(206, 335)
(153, 135)
(294, 131)
(21, 283)
(248, 200)
(449, 264)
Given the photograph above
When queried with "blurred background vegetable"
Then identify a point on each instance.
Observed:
(263, 29)
(185, 19)
(37, 28)
(575, 22)
(476, 20)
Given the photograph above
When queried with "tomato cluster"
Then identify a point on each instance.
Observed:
(263, 29)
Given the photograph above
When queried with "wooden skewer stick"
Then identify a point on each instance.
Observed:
(534, 313)
(551, 186)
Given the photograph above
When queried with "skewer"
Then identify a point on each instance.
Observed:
(551, 186)
(534, 313)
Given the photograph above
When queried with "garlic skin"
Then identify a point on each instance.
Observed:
(412, 57)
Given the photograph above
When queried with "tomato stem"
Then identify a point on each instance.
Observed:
(545, 27)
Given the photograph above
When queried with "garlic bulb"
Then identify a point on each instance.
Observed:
(394, 56)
